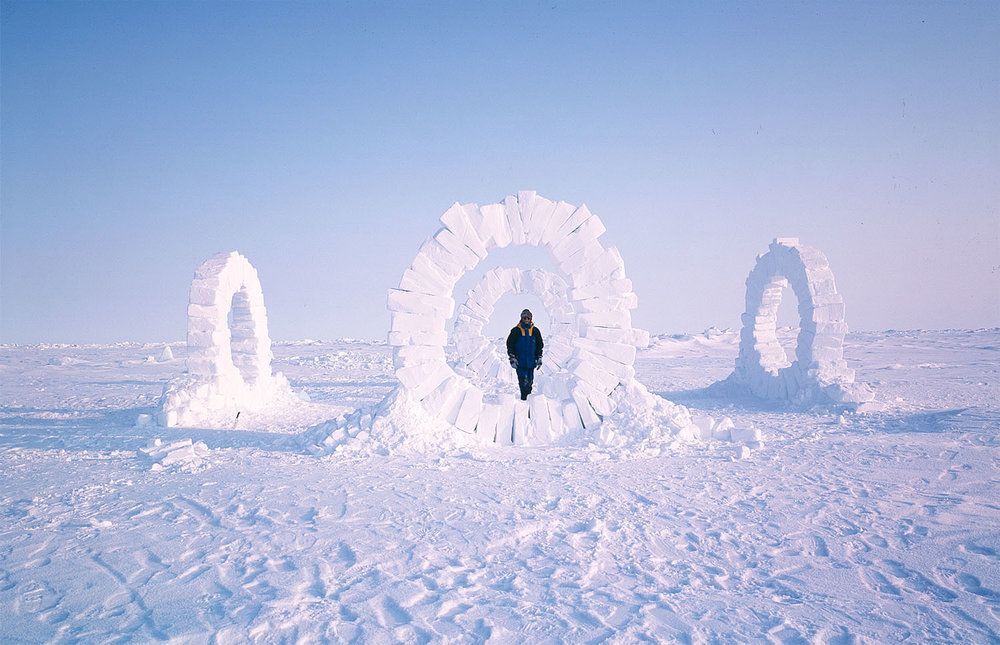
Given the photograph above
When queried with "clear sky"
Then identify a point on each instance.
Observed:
(323, 141)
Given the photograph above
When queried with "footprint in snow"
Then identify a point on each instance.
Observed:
(390, 614)
(979, 550)
(783, 593)
(38, 597)
(346, 555)
(919, 582)
(6, 583)
(645, 501)
(973, 585)
(316, 587)
(883, 585)
(281, 564)
(580, 527)
(18, 509)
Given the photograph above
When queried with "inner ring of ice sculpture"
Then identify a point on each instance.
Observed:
(482, 356)
(600, 359)
(819, 353)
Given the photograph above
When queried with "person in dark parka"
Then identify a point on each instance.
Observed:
(524, 349)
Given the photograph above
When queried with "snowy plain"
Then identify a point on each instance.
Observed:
(876, 526)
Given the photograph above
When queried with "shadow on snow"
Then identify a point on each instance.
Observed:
(105, 430)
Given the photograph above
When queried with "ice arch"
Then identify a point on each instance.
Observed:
(227, 333)
(482, 356)
(818, 372)
(600, 359)
(229, 349)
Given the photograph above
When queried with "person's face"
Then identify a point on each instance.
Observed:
(526, 319)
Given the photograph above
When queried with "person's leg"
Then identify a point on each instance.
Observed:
(529, 381)
(524, 382)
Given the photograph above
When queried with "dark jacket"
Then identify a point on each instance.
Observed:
(525, 345)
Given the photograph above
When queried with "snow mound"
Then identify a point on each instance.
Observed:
(712, 337)
(642, 423)
(183, 454)
(399, 423)
(194, 402)
(166, 355)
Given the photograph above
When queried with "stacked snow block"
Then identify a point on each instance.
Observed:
(229, 358)
(591, 338)
(818, 372)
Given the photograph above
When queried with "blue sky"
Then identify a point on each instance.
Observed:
(323, 140)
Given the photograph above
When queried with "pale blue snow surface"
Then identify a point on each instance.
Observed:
(877, 526)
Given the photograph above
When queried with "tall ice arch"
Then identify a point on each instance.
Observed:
(818, 373)
(600, 359)
(229, 349)
(227, 334)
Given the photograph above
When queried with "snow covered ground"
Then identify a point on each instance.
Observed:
(879, 526)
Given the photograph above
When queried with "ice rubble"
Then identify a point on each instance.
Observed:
(398, 422)
(819, 374)
(182, 454)
(593, 355)
(229, 349)
(642, 424)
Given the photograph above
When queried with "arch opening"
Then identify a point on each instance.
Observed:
(788, 323)
(483, 355)
(242, 339)
(778, 324)
(491, 371)
(507, 313)
(500, 258)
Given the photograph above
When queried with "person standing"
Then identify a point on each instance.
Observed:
(524, 349)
